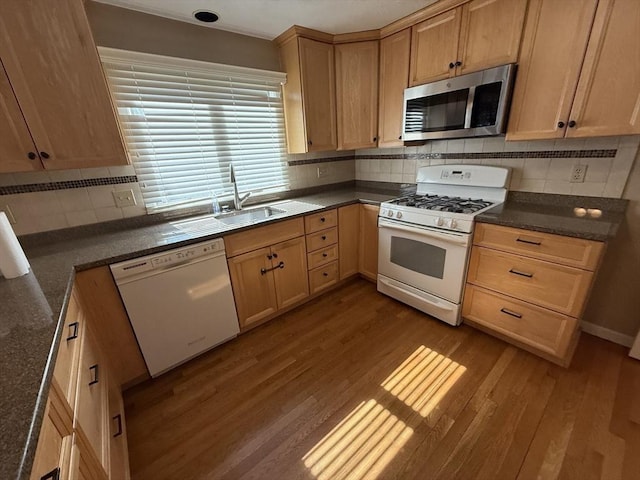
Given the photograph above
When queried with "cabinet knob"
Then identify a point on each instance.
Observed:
(324, 237)
(452, 65)
(572, 123)
(400, 137)
(275, 255)
(325, 255)
(375, 139)
(325, 274)
(322, 219)
(560, 124)
(458, 63)
(32, 155)
(44, 155)
(310, 142)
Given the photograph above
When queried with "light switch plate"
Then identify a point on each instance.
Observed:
(124, 198)
(323, 171)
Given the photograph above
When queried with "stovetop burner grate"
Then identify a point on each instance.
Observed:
(442, 203)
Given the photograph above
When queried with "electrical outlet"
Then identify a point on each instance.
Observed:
(323, 171)
(577, 173)
(124, 198)
(10, 216)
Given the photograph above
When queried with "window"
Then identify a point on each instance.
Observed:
(185, 122)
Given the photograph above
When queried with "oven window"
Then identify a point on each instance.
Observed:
(418, 256)
(445, 111)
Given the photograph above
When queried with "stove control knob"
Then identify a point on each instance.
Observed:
(399, 215)
(439, 221)
(390, 213)
(446, 222)
(454, 224)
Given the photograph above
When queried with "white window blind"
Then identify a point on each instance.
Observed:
(185, 122)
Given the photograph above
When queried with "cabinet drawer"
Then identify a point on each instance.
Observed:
(320, 221)
(322, 256)
(261, 237)
(553, 286)
(323, 277)
(66, 369)
(322, 239)
(574, 252)
(537, 327)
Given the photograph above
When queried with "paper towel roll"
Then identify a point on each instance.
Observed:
(13, 262)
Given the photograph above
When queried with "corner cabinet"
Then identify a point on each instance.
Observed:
(477, 35)
(52, 73)
(357, 94)
(578, 74)
(394, 78)
(309, 95)
(530, 288)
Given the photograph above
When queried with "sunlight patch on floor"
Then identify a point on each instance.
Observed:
(423, 379)
(359, 447)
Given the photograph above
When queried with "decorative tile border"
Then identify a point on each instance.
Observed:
(309, 161)
(89, 182)
(484, 155)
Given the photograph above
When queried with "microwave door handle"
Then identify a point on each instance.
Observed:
(469, 111)
(447, 238)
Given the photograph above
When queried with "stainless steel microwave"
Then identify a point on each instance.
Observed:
(471, 105)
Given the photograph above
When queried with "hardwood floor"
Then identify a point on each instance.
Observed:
(355, 385)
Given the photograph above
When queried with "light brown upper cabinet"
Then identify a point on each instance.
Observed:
(55, 74)
(579, 73)
(357, 94)
(309, 95)
(477, 35)
(394, 78)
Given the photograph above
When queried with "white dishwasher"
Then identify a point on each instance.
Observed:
(180, 303)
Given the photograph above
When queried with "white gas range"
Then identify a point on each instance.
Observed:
(425, 238)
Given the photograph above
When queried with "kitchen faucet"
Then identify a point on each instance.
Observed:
(237, 200)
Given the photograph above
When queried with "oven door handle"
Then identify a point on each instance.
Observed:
(449, 238)
(418, 297)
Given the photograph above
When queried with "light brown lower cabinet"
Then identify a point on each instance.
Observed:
(368, 252)
(348, 239)
(530, 288)
(83, 435)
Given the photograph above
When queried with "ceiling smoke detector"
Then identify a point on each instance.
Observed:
(206, 16)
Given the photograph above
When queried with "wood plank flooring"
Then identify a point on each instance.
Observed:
(355, 385)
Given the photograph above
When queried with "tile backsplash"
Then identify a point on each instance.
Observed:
(536, 166)
(50, 200)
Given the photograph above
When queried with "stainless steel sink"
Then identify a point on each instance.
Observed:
(249, 215)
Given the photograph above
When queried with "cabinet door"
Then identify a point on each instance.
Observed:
(394, 78)
(434, 46)
(52, 64)
(553, 47)
(16, 145)
(83, 465)
(369, 241)
(357, 94)
(91, 400)
(119, 455)
(607, 100)
(291, 279)
(318, 90)
(254, 291)
(348, 239)
(490, 33)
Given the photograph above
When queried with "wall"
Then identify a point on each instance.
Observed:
(130, 30)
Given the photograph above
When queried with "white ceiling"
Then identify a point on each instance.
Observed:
(269, 18)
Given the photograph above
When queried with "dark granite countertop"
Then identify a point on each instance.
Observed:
(32, 307)
(559, 214)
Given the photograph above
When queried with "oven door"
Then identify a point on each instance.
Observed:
(425, 258)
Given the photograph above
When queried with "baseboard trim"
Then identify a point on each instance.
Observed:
(607, 334)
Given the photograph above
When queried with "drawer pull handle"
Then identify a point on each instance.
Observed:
(530, 242)
(509, 312)
(522, 274)
(118, 419)
(275, 255)
(52, 475)
(325, 255)
(263, 271)
(324, 237)
(94, 368)
(322, 219)
(73, 328)
(325, 274)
